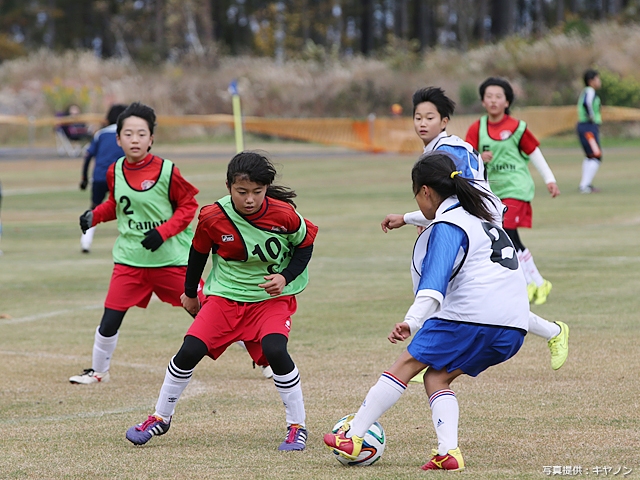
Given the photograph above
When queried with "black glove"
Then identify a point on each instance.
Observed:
(86, 221)
(152, 240)
(83, 184)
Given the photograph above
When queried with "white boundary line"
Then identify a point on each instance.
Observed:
(40, 316)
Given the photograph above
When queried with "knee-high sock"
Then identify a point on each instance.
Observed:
(103, 348)
(543, 328)
(87, 238)
(175, 381)
(529, 267)
(445, 413)
(290, 390)
(590, 167)
(381, 397)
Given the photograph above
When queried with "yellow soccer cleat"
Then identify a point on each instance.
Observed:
(542, 292)
(419, 378)
(451, 461)
(559, 346)
(531, 291)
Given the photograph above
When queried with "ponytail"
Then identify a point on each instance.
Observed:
(437, 171)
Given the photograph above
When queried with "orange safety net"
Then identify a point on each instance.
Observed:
(373, 134)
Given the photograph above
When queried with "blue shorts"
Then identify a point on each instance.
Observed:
(588, 127)
(472, 348)
(99, 190)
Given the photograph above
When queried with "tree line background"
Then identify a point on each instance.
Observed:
(161, 30)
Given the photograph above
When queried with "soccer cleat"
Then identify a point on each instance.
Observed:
(542, 293)
(559, 346)
(266, 371)
(152, 426)
(296, 438)
(88, 376)
(419, 378)
(531, 291)
(451, 461)
(341, 445)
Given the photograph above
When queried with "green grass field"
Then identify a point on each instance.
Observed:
(515, 419)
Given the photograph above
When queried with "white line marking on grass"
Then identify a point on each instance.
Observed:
(12, 192)
(41, 316)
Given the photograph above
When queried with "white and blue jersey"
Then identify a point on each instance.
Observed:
(471, 268)
(466, 158)
(468, 161)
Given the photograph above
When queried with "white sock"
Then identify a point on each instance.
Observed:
(103, 348)
(590, 167)
(290, 390)
(543, 328)
(175, 381)
(87, 239)
(381, 397)
(529, 267)
(445, 413)
(527, 276)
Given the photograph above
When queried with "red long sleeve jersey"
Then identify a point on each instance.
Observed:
(216, 233)
(501, 131)
(141, 176)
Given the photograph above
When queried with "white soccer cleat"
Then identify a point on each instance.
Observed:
(90, 376)
(266, 371)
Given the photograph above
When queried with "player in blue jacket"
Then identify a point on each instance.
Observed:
(105, 149)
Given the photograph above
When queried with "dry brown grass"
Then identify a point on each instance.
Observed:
(516, 418)
(544, 71)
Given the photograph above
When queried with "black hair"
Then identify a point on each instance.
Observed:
(435, 95)
(498, 82)
(589, 75)
(434, 170)
(114, 113)
(256, 167)
(140, 110)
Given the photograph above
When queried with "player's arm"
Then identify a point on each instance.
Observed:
(300, 258)
(106, 211)
(589, 97)
(444, 244)
(543, 168)
(84, 180)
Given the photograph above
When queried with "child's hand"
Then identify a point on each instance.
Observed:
(553, 189)
(274, 285)
(391, 221)
(191, 305)
(486, 156)
(400, 332)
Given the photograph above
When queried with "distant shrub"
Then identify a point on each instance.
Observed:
(469, 95)
(618, 91)
(577, 26)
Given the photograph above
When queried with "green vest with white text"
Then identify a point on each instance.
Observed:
(508, 171)
(140, 211)
(268, 252)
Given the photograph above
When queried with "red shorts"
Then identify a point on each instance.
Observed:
(518, 214)
(133, 286)
(222, 322)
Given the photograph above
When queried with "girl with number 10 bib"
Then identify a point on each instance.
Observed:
(261, 247)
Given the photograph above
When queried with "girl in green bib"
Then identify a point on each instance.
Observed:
(506, 147)
(260, 247)
(153, 205)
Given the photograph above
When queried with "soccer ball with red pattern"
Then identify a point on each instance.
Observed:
(372, 446)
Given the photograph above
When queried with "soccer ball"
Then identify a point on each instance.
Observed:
(372, 446)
